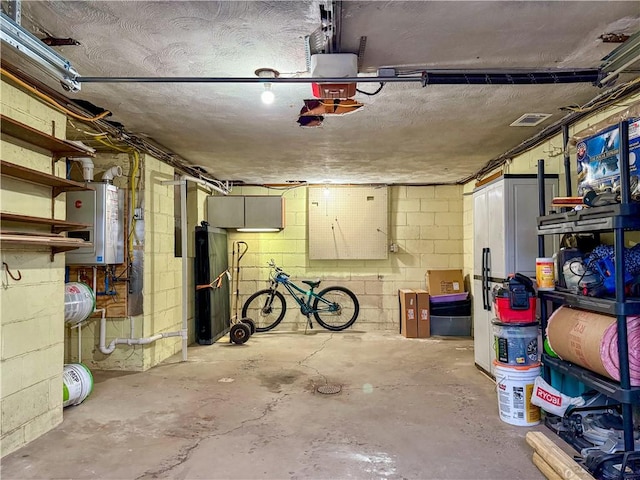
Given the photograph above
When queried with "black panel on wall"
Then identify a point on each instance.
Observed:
(212, 308)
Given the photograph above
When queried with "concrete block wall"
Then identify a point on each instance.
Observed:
(32, 309)
(162, 269)
(426, 222)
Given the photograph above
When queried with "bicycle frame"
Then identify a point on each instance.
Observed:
(281, 278)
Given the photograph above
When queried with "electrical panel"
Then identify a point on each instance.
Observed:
(103, 210)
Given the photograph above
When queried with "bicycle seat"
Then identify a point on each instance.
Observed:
(312, 283)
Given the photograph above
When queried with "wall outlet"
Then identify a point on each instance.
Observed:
(393, 248)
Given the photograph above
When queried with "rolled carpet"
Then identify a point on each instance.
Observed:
(590, 340)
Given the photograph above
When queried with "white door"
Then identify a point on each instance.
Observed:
(481, 329)
(479, 229)
(496, 229)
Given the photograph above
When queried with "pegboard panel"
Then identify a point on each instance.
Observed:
(348, 223)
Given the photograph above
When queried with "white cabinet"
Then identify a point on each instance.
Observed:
(504, 242)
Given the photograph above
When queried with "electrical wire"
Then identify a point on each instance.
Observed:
(51, 100)
(111, 145)
(371, 94)
(84, 132)
(604, 101)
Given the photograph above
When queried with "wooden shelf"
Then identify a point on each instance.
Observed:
(57, 244)
(56, 225)
(58, 184)
(58, 147)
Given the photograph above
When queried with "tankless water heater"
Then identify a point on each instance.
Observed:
(103, 210)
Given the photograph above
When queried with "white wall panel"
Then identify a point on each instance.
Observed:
(348, 223)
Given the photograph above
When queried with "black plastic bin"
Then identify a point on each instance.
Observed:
(460, 308)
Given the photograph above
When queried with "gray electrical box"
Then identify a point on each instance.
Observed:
(251, 211)
(103, 210)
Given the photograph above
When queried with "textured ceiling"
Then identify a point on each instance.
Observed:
(405, 134)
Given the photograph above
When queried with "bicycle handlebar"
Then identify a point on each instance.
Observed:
(277, 269)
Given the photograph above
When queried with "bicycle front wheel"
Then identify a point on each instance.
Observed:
(266, 308)
(336, 308)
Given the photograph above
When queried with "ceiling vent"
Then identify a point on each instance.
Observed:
(530, 119)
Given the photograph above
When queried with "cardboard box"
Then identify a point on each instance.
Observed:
(424, 324)
(408, 313)
(444, 282)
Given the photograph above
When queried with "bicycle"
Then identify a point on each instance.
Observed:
(334, 308)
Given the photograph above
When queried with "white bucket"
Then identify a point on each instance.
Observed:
(515, 386)
(77, 384)
(79, 302)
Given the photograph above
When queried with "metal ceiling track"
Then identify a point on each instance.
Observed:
(434, 77)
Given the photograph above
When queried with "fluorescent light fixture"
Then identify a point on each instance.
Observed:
(254, 230)
(39, 53)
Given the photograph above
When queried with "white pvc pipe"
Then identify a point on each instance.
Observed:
(107, 350)
(115, 171)
(87, 167)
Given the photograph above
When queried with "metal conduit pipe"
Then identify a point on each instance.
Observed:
(427, 77)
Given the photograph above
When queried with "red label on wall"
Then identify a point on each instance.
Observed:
(78, 203)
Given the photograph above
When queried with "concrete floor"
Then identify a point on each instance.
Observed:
(408, 409)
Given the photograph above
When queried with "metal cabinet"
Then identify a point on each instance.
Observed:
(246, 212)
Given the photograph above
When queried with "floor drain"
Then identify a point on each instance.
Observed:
(329, 389)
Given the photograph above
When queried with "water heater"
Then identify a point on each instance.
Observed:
(102, 209)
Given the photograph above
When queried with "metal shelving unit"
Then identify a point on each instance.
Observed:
(616, 218)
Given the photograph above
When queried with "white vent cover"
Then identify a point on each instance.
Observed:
(530, 119)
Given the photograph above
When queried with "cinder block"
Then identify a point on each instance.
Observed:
(434, 261)
(455, 206)
(434, 232)
(417, 247)
(43, 423)
(11, 375)
(397, 192)
(294, 232)
(414, 277)
(448, 191)
(398, 218)
(434, 205)
(428, 191)
(448, 219)
(11, 441)
(22, 406)
(450, 246)
(406, 205)
(373, 287)
(420, 219)
(456, 232)
(409, 232)
(42, 365)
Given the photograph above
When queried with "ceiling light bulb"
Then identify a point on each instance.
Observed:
(267, 96)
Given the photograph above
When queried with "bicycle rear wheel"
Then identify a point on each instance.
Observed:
(336, 308)
(266, 308)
